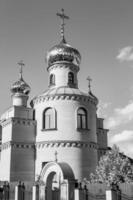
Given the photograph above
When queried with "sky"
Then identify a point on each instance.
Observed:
(102, 31)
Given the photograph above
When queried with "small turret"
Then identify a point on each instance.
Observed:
(20, 89)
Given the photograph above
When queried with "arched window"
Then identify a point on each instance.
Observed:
(82, 118)
(49, 118)
(70, 78)
(52, 79)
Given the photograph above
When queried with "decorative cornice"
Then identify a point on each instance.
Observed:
(103, 149)
(16, 121)
(49, 144)
(102, 130)
(73, 97)
(67, 143)
(69, 65)
(15, 145)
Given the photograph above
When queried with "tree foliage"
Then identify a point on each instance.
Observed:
(113, 168)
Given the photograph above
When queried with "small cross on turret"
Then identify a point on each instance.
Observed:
(63, 17)
(21, 65)
(89, 83)
(56, 154)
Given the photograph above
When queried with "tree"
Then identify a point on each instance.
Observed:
(113, 168)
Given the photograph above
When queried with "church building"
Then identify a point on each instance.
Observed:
(59, 137)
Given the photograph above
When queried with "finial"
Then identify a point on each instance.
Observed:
(89, 83)
(56, 153)
(63, 17)
(21, 65)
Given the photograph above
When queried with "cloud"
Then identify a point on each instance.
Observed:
(102, 107)
(120, 116)
(125, 54)
(124, 140)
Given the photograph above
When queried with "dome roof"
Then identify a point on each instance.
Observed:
(20, 86)
(63, 52)
(65, 91)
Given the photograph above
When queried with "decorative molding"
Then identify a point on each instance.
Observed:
(73, 97)
(48, 144)
(60, 65)
(15, 145)
(102, 130)
(16, 121)
(67, 143)
(5, 145)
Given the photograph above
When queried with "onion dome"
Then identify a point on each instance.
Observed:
(63, 52)
(20, 86)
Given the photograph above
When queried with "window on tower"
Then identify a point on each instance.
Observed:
(49, 119)
(34, 115)
(81, 118)
(70, 78)
(52, 79)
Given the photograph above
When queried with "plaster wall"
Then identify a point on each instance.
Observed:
(81, 160)
(66, 121)
(7, 133)
(8, 114)
(5, 164)
(25, 113)
(23, 169)
(61, 76)
(23, 132)
(102, 138)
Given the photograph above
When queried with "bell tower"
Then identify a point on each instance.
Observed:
(18, 135)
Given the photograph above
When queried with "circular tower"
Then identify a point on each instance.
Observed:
(66, 117)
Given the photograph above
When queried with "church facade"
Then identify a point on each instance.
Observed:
(59, 137)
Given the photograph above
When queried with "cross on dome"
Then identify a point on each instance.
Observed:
(20, 86)
(63, 17)
(21, 65)
(89, 83)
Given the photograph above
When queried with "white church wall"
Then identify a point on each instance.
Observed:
(61, 76)
(81, 159)
(66, 121)
(7, 132)
(23, 131)
(24, 113)
(23, 169)
(5, 164)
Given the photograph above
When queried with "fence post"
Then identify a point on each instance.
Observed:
(35, 192)
(6, 189)
(1, 193)
(23, 191)
(113, 193)
(20, 191)
(86, 192)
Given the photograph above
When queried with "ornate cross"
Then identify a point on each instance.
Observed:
(21, 65)
(56, 153)
(89, 83)
(63, 17)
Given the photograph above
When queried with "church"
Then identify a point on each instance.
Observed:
(59, 137)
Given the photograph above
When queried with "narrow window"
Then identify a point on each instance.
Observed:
(34, 115)
(70, 78)
(52, 79)
(82, 118)
(49, 119)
